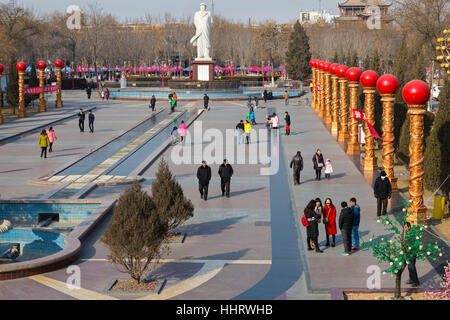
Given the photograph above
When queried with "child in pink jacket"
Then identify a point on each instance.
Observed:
(51, 137)
(328, 169)
(183, 131)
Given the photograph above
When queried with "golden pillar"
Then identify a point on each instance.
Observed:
(314, 91)
(353, 77)
(317, 105)
(369, 162)
(322, 93)
(59, 103)
(343, 133)
(42, 107)
(1, 95)
(22, 112)
(388, 138)
(335, 105)
(327, 106)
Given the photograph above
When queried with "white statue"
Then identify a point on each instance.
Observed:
(202, 39)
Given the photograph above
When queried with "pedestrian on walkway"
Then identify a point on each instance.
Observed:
(102, 94)
(312, 230)
(173, 104)
(382, 191)
(253, 117)
(318, 164)
(51, 138)
(249, 101)
(43, 143)
(81, 117)
(240, 128)
(175, 97)
(203, 176)
(152, 103)
(287, 119)
(89, 91)
(297, 164)
(346, 225)
(183, 131)
(356, 220)
(329, 219)
(275, 121)
(328, 169)
(91, 119)
(286, 98)
(225, 173)
(107, 93)
(265, 95)
(256, 101)
(206, 102)
(413, 277)
(247, 129)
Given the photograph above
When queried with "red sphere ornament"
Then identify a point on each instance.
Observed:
(326, 66)
(333, 68)
(353, 74)
(341, 70)
(41, 65)
(1, 68)
(369, 79)
(321, 65)
(387, 84)
(416, 92)
(311, 63)
(58, 64)
(21, 66)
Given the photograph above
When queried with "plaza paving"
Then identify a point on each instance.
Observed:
(250, 246)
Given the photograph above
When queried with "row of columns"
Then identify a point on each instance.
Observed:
(331, 82)
(42, 107)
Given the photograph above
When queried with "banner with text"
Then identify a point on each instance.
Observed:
(38, 90)
(361, 115)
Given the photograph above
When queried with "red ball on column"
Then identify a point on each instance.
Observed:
(341, 70)
(369, 79)
(387, 84)
(333, 68)
(353, 74)
(41, 65)
(21, 66)
(1, 68)
(59, 64)
(416, 92)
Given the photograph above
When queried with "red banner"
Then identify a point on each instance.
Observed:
(361, 115)
(38, 90)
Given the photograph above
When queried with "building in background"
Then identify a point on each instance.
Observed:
(359, 10)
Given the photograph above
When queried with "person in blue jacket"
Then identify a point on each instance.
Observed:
(253, 117)
(356, 220)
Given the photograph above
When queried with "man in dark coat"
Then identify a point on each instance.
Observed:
(297, 163)
(205, 101)
(153, 103)
(203, 176)
(265, 95)
(225, 173)
(382, 191)
(88, 92)
(287, 118)
(91, 119)
(81, 117)
(346, 224)
(318, 164)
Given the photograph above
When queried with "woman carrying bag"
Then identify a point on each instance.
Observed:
(329, 219)
(319, 163)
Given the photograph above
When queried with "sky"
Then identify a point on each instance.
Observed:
(281, 11)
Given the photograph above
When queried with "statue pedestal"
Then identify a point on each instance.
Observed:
(203, 70)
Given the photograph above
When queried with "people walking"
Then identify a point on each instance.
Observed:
(286, 98)
(203, 176)
(275, 121)
(152, 103)
(81, 117)
(89, 92)
(249, 101)
(346, 225)
(247, 130)
(107, 93)
(91, 119)
(240, 127)
(329, 219)
(51, 138)
(287, 119)
(382, 191)
(297, 165)
(225, 173)
(173, 104)
(265, 95)
(318, 164)
(175, 97)
(183, 131)
(356, 220)
(328, 169)
(102, 94)
(312, 230)
(206, 102)
(253, 117)
(256, 102)
(413, 277)
(43, 143)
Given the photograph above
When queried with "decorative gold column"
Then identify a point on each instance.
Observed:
(353, 145)
(322, 93)
(314, 91)
(327, 106)
(388, 138)
(59, 103)
(369, 162)
(343, 133)
(22, 112)
(42, 107)
(416, 157)
(1, 95)
(335, 105)
(317, 106)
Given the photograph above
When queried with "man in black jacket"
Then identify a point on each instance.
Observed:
(203, 176)
(287, 118)
(241, 131)
(152, 103)
(382, 191)
(91, 119)
(297, 163)
(205, 101)
(346, 224)
(81, 117)
(225, 173)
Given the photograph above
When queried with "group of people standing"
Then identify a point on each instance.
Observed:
(204, 177)
(318, 165)
(348, 223)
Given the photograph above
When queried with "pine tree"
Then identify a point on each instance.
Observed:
(171, 204)
(12, 89)
(375, 63)
(136, 233)
(419, 70)
(336, 57)
(354, 61)
(437, 151)
(33, 81)
(348, 59)
(298, 54)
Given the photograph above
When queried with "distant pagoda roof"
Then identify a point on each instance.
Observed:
(363, 3)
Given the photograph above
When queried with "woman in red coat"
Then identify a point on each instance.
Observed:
(329, 219)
